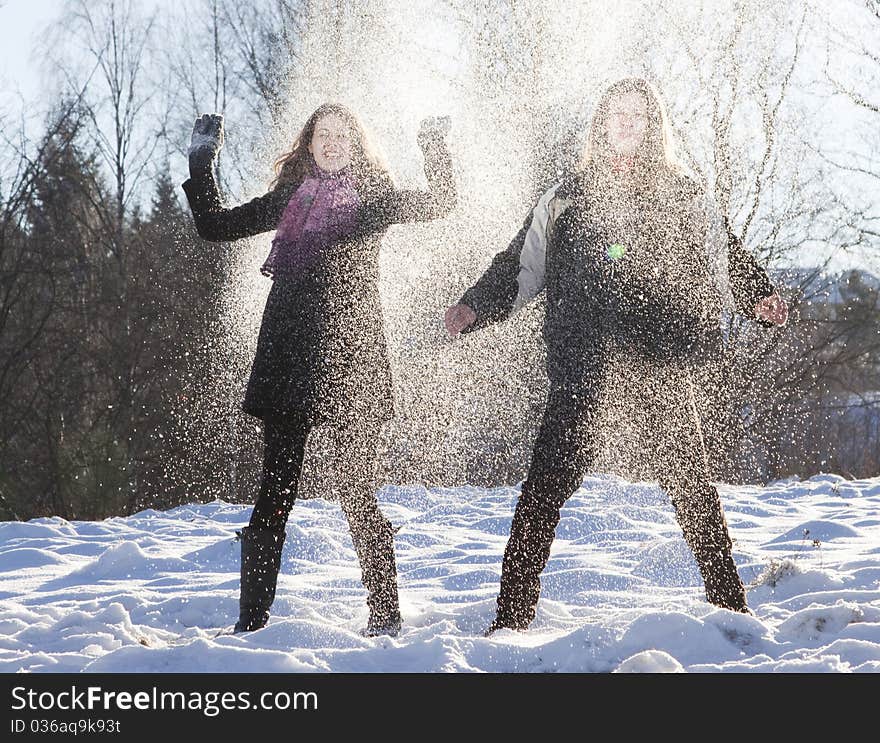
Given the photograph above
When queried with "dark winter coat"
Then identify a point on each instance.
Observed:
(657, 300)
(321, 351)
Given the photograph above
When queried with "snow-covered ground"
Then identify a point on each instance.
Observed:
(149, 593)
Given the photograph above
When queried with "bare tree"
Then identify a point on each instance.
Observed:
(237, 60)
(865, 99)
(854, 46)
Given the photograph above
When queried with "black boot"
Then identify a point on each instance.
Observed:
(383, 623)
(260, 563)
(724, 587)
(525, 556)
(382, 597)
(374, 544)
(705, 530)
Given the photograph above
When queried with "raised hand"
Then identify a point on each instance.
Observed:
(458, 317)
(207, 139)
(434, 127)
(772, 309)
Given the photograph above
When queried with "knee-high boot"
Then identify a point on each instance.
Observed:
(260, 563)
(705, 531)
(373, 538)
(525, 557)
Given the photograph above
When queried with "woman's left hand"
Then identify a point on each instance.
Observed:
(434, 127)
(772, 309)
(207, 139)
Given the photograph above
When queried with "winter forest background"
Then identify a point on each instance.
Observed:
(125, 339)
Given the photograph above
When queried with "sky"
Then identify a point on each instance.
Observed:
(20, 86)
(20, 23)
(150, 592)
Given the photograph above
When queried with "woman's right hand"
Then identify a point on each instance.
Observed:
(207, 139)
(458, 317)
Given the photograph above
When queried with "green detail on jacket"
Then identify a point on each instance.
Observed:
(616, 251)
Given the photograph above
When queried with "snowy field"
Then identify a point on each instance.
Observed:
(621, 593)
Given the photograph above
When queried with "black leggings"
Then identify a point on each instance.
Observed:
(565, 450)
(352, 479)
(284, 444)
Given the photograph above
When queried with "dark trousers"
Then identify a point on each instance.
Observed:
(284, 444)
(565, 450)
(353, 482)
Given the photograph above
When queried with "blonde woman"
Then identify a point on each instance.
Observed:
(632, 296)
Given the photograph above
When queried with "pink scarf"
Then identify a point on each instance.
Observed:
(321, 211)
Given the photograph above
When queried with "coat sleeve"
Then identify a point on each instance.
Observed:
(749, 282)
(492, 298)
(218, 223)
(740, 280)
(517, 274)
(402, 205)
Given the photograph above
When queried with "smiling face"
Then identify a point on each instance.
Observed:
(331, 142)
(626, 123)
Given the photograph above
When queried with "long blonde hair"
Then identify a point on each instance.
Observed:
(655, 156)
(370, 173)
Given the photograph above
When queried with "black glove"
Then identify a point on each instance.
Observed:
(433, 128)
(206, 142)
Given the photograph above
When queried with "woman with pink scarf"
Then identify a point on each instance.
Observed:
(321, 355)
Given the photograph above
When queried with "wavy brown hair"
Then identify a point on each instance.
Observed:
(655, 156)
(371, 175)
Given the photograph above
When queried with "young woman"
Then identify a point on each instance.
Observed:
(321, 356)
(622, 249)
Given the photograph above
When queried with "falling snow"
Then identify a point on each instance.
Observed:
(156, 590)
